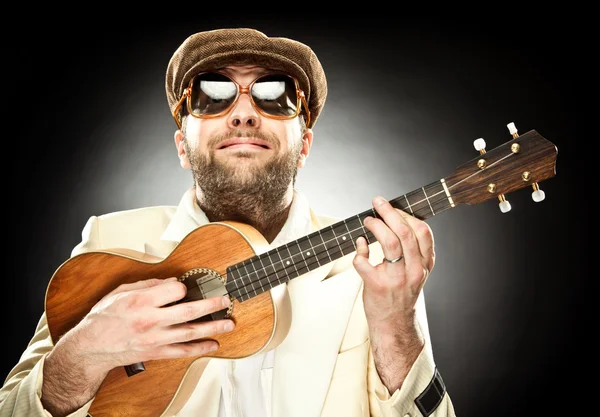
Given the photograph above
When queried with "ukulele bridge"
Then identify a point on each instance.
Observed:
(203, 283)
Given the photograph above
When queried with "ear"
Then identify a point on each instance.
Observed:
(179, 144)
(307, 139)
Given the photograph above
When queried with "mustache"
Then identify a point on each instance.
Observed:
(271, 138)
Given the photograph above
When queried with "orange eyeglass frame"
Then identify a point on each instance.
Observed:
(301, 98)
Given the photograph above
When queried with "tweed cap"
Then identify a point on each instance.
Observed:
(214, 49)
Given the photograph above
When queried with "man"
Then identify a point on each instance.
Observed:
(358, 342)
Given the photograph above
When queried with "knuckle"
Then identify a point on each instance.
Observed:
(135, 300)
(147, 343)
(178, 289)
(217, 304)
(423, 229)
(142, 324)
(403, 231)
(191, 334)
(188, 312)
(392, 242)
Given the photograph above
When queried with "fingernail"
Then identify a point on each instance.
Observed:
(228, 326)
(226, 301)
(380, 200)
(213, 348)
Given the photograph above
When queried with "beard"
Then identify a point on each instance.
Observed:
(250, 193)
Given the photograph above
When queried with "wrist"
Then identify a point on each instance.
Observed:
(69, 379)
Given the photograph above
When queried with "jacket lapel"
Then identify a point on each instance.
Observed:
(304, 362)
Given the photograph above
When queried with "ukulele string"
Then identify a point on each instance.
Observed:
(347, 244)
(313, 261)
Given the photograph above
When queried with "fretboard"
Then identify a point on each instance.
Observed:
(293, 259)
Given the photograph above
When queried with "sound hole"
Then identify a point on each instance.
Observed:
(205, 283)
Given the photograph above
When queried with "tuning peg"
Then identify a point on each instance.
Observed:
(537, 195)
(504, 204)
(513, 130)
(479, 145)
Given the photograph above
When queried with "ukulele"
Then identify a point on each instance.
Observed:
(231, 258)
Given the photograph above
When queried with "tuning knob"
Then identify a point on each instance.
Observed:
(513, 130)
(479, 145)
(504, 204)
(537, 195)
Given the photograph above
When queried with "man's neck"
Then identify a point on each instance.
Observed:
(265, 215)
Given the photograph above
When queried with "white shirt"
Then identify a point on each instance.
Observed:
(245, 386)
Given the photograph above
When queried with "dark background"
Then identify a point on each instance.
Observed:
(89, 132)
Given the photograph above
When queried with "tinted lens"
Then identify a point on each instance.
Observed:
(275, 95)
(212, 93)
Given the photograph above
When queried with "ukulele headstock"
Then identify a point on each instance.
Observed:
(522, 162)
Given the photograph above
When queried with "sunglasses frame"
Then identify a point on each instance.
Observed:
(187, 93)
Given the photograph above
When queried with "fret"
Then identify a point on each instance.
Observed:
(290, 262)
(259, 275)
(308, 252)
(251, 276)
(263, 275)
(280, 273)
(322, 256)
(270, 271)
(366, 233)
(234, 274)
(408, 206)
(419, 204)
(428, 202)
(327, 235)
(314, 243)
(439, 196)
(355, 226)
(340, 230)
(348, 246)
(296, 258)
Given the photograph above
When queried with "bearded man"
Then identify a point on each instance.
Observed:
(350, 336)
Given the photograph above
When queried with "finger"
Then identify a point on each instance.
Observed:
(138, 285)
(191, 310)
(361, 259)
(389, 241)
(185, 350)
(398, 225)
(424, 237)
(142, 284)
(193, 331)
(167, 293)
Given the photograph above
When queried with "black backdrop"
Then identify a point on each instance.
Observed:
(88, 132)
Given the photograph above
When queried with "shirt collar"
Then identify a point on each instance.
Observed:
(189, 216)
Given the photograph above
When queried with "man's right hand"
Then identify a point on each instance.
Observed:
(136, 322)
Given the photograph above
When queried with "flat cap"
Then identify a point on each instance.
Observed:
(214, 49)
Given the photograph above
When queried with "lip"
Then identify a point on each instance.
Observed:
(244, 143)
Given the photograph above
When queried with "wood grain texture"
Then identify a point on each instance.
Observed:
(504, 168)
(162, 389)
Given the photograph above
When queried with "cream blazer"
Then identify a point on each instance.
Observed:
(323, 368)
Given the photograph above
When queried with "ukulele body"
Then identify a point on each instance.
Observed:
(164, 386)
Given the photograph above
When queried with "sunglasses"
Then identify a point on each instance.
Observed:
(212, 94)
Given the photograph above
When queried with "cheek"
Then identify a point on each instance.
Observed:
(289, 135)
(197, 133)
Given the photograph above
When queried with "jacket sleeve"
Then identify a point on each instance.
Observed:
(22, 390)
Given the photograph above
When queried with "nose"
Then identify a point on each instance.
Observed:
(244, 114)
